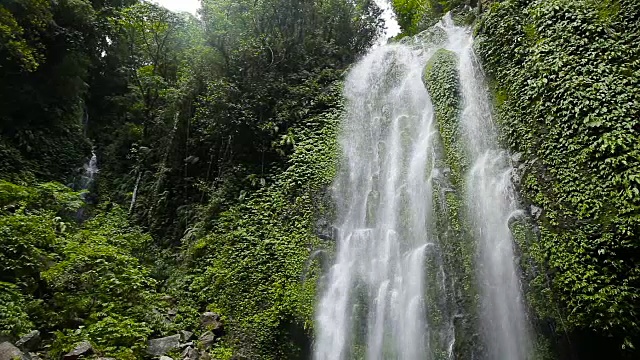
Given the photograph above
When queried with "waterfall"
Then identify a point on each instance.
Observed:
(491, 202)
(90, 170)
(135, 191)
(374, 301)
(388, 294)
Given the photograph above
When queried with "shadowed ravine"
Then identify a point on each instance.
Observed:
(389, 294)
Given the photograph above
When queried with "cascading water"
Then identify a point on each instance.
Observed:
(387, 295)
(90, 170)
(491, 203)
(374, 303)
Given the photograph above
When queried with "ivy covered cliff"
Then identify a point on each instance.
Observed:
(565, 79)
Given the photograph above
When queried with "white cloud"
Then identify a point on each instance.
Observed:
(180, 5)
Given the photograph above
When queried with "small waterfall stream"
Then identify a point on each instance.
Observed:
(90, 170)
(387, 295)
(491, 202)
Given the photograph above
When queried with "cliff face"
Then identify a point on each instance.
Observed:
(566, 85)
(564, 78)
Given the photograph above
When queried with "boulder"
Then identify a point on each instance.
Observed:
(186, 335)
(536, 212)
(9, 352)
(34, 356)
(167, 298)
(209, 318)
(207, 339)
(211, 321)
(159, 347)
(190, 354)
(516, 157)
(82, 349)
(30, 341)
(165, 358)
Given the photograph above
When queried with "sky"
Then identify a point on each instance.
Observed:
(392, 27)
(180, 5)
(388, 16)
(192, 5)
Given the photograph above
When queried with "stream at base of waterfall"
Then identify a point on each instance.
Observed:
(388, 294)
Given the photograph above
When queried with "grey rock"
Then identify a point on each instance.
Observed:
(30, 341)
(186, 335)
(448, 190)
(324, 228)
(190, 343)
(430, 37)
(159, 347)
(192, 159)
(207, 339)
(205, 356)
(211, 321)
(103, 358)
(536, 212)
(190, 354)
(165, 358)
(34, 356)
(209, 318)
(82, 349)
(516, 157)
(425, 39)
(9, 352)
(522, 167)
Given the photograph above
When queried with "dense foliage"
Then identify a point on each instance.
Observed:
(46, 52)
(215, 142)
(566, 78)
(415, 16)
(442, 81)
(257, 254)
(57, 274)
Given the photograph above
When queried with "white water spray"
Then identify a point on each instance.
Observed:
(374, 299)
(491, 201)
(90, 170)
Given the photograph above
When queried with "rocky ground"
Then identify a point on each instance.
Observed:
(185, 344)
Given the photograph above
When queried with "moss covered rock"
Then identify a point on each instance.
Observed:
(442, 82)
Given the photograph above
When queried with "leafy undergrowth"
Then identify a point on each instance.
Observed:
(253, 265)
(74, 281)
